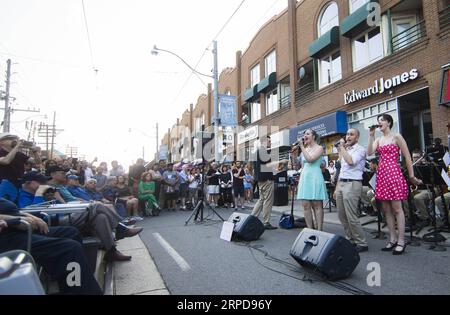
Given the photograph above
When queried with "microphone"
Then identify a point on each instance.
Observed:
(374, 127)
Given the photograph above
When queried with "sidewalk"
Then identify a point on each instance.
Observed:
(140, 276)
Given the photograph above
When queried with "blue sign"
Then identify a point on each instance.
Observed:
(332, 124)
(228, 110)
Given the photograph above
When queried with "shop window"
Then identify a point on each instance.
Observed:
(254, 76)
(356, 4)
(367, 49)
(330, 69)
(270, 63)
(328, 19)
(272, 104)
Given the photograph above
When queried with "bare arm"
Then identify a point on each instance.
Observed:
(6, 160)
(373, 144)
(401, 143)
(313, 155)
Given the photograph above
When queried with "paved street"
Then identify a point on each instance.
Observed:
(193, 260)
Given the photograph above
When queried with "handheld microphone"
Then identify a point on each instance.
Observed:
(374, 127)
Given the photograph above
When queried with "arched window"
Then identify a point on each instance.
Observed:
(328, 18)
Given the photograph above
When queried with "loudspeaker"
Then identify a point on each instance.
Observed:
(331, 255)
(246, 227)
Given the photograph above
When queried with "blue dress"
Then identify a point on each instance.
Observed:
(312, 185)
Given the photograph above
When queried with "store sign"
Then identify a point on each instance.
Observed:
(380, 86)
(248, 135)
(332, 124)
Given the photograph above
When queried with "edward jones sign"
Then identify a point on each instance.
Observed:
(382, 85)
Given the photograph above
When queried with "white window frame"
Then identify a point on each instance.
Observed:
(395, 20)
(323, 28)
(270, 63)
(255, 115)
(274, 105)
(352, 6)
(366, 52)
(329, 56)
(255, 75)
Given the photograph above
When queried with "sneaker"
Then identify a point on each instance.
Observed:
(242, 207)
(269, 226)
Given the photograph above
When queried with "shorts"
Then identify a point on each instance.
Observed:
(213, 189)
(238, 191)
(184, 190)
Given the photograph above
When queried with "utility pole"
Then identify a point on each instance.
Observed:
(6, 119)
(216, 119)
(157, 143)
(53, 133)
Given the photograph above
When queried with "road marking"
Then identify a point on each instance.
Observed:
(172, 252)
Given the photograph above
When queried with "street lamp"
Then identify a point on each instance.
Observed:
(215, 77)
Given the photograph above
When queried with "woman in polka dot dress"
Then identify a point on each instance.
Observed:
(391, 186)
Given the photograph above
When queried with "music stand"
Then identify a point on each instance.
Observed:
(198, 209)
(431, 177)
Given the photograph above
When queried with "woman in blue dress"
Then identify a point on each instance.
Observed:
(311, 187)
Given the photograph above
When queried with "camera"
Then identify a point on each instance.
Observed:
(27, 144)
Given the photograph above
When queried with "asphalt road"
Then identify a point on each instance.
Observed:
(193, 260)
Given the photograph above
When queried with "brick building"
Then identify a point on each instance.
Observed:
(334, 64)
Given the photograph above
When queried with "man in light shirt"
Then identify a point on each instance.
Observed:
(348, 191)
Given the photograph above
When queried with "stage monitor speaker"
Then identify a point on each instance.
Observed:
(246, 227)
(331, 255)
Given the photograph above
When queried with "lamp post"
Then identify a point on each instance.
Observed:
(215, 77)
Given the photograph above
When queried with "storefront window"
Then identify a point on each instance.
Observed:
(362, 123)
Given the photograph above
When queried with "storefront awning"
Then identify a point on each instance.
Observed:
(267, 83)
(356, 22)
(325, 43)
(251, 94)
(332, 124)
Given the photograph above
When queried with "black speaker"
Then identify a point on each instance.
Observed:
(331, 255)
(246, 227)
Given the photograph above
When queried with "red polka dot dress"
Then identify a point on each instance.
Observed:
(390, 184)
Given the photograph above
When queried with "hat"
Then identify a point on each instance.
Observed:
(7, 135)
(74, 177)
(34, 176)
(55, 168)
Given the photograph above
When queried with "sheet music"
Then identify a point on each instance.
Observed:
(447, 159)
(445, 178)
(373, 181)
(227, 231)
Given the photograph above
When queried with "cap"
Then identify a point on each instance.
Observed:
(55, 168)
(73, 177)
(7, 135)
(34, 176)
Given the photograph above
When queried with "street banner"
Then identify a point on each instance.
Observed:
(228, 110)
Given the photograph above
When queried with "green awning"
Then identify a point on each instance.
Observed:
(269, 82)
(356, 22)
(325, 43)
(251, 94)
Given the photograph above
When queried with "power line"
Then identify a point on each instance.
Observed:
(204, 52)
(88, 36)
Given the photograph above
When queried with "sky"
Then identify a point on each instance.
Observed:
(107, 89)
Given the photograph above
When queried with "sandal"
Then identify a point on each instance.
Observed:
(389, 247)
(399, 252)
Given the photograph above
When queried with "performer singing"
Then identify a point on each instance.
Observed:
(311, 187)
(391, 185)
(349, 188)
